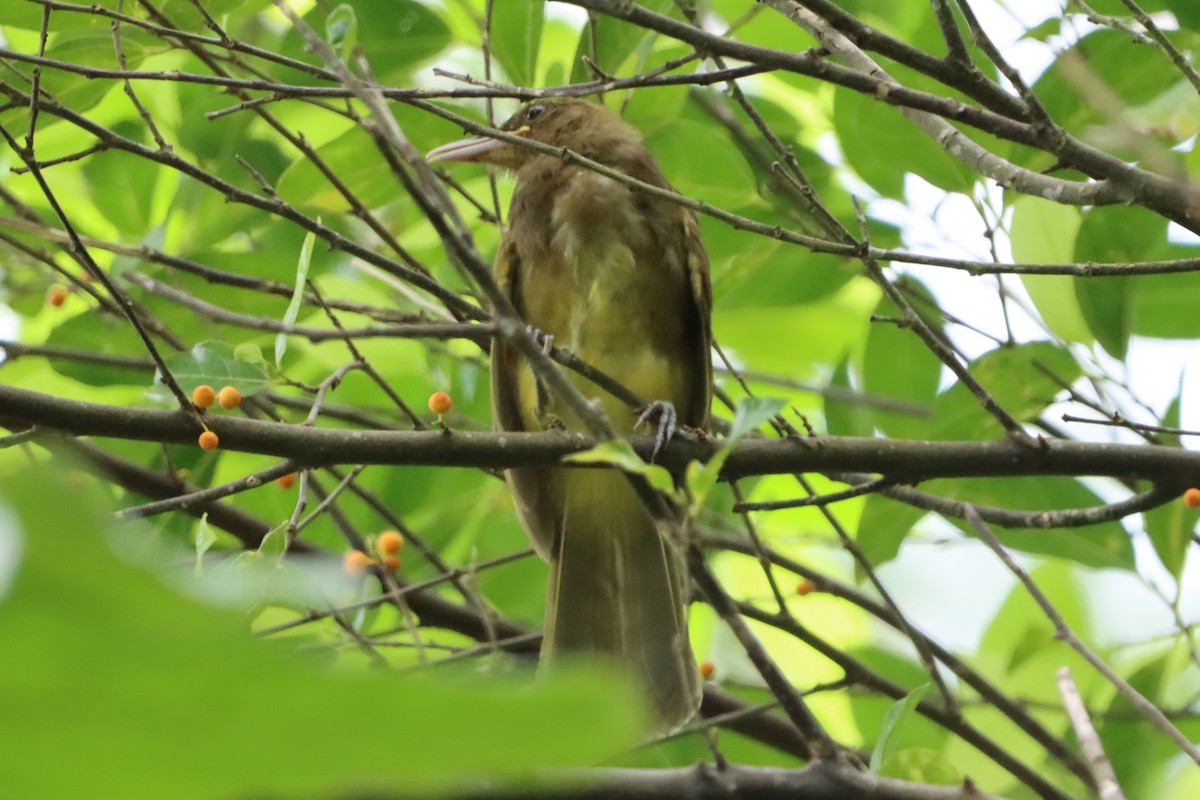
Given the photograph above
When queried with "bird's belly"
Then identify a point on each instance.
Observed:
(608, 310)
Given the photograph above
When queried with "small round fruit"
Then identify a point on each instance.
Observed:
(805, 587)
(391, 562)
(203, 396)
(1191, 498)
(286, 481)
(208, 441)
(440, 403)
(356, 562)
(389, 542)
(56, 297)
(229, 397)
(707, 670)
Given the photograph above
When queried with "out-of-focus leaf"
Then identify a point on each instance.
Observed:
(883, 526)
(136, 667)
(102, 335)
(898, 365)
(122, 185)
(1104, 545)
(394, 35)
(708, 168)
(515, 38)
(608, 41)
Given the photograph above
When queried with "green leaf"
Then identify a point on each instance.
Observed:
(709, 168)
(274, 545)
(1170, 526)
(1164, 305)
(620, 454)
(293, 309)
(122, 186)
(897, 364)
(883, 526)
(134, 665)
(613, 40)
(1043, 232)
(752, 412)
(873, 133)
(1106, 305)
(1117, 235)
(341, 30)
(1103, 545)
(394, 35)
(215, 364)
(102, 335)
(515, 37)
(205, 539)
(893, 724)
(1016, 378)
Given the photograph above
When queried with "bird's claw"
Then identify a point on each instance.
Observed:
(543, 340)
(668, 423)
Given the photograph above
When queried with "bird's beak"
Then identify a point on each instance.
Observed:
(477, 149)
(480, 148)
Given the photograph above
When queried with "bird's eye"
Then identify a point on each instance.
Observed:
(533, 112)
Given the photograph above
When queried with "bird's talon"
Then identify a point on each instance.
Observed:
(543, 340)
(668, 423)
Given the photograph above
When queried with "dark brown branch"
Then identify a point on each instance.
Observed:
(907, 459)
(819, 781)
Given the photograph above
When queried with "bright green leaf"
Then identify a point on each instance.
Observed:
(893, 724)
(293, 309)
(620, 454)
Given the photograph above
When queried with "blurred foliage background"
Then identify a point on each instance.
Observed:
(243, 216)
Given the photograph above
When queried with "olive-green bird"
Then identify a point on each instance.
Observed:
(620, 278)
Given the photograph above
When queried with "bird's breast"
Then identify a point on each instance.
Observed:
(600, 280)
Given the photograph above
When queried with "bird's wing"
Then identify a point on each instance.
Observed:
(506, 401)
(537, 492)
(701, 290)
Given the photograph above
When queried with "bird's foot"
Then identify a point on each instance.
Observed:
(543, 340)
(667, 423)
(552, 422)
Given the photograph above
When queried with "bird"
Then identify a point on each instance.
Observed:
(619, 277)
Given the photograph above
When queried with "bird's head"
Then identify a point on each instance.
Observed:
(585, 128)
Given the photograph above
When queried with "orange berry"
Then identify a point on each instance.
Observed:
(389, 542)
(805, 587)
(356, 562)
(440, 403)
(391, 561)
(208, 441)
(56, 296)
(286, 481)
(229, 397)
(203, 396)
(707, 670)
(1191, 498)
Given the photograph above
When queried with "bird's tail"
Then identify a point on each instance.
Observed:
(617, 588)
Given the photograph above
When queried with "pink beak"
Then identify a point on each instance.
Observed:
(477, 149)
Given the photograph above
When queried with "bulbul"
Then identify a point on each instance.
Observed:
(620, 278)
